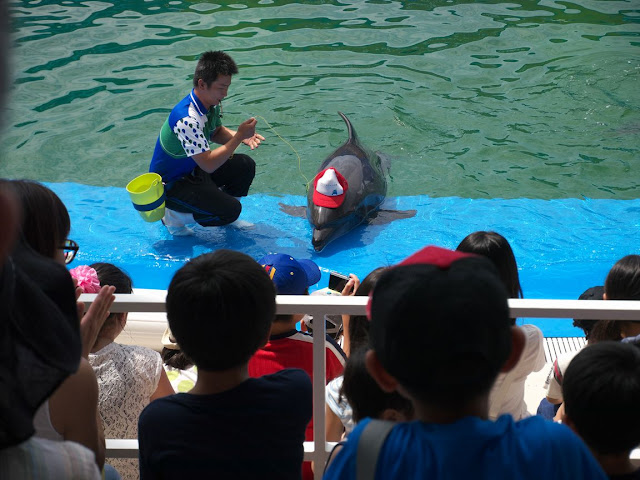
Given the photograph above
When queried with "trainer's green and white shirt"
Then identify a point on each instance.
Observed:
(185, 133)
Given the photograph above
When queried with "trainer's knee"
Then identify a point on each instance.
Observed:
(248, 167)
(234, 212)
(225, 215)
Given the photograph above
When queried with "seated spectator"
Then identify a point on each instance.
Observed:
(338, 413)
(286, 346)
(623, 283)
(594, 331)
(129, 376)
(418, 310)
(602, 404)
(220, 307)
(507, 394)
(366, 399)
(181, 371)
(71, 411)
(41, 346)
(365, 396)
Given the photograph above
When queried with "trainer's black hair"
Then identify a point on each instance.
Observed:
(211, 64)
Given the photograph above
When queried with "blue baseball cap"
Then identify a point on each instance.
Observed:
(291, 276)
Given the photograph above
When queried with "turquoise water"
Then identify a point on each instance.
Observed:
(522, 117)
(469, 99)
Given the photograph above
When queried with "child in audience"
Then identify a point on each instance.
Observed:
(129, 376)
(602, 404)
(338, 414)
(418, 311)
(507, 394)
(623, 283)
(288, 347)
(366, 399)
(220, 307)
(32, 364)
(365, 396)
(71, 411)
(181, 371)
(594, 331)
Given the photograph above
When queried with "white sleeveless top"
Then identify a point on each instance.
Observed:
(507, 394)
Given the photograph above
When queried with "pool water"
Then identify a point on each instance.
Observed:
(521, 118)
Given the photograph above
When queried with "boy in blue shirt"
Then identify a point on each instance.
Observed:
(440, 334)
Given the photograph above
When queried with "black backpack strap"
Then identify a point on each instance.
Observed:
(371, 440)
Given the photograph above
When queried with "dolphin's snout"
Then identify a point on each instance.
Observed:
(320, 238)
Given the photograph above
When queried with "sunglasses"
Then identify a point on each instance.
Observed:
(70, 250)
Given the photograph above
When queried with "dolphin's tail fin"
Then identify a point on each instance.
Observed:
(353, 137)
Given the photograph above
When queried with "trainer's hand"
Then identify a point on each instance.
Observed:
(254, 141)
(247, 129)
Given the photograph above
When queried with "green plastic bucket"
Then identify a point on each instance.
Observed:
(147, 195)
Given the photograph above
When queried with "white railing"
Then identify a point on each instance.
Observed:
(318, 306)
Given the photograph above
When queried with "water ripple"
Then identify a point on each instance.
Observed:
(469, 99)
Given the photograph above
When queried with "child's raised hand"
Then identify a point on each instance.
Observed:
(91, 322)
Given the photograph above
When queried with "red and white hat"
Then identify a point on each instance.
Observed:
(329, 188)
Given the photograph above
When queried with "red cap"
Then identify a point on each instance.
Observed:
(431, 255)
(438, 256)
(329, 188)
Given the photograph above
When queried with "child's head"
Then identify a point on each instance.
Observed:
(45, 219)
(623, 280)
(171, 353)
(366, 398)
(593, 293)
(601, 391)
(623, 283)
(220, 307)
(291, 276)
(90, 278)
(497, 249)
(440, 325)
(109, 274)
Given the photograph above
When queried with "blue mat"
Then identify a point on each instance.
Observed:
(562, 246)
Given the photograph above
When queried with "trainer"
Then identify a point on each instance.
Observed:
(203, 184)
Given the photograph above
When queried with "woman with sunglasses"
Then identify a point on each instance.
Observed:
(71, 412)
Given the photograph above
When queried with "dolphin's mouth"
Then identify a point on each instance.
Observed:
(320, 238)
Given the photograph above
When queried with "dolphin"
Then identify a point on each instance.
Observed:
(364, 177)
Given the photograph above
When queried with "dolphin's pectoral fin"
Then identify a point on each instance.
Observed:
(382, 217)
(293, 210)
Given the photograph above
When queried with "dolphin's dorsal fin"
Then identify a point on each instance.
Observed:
(353, 137)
